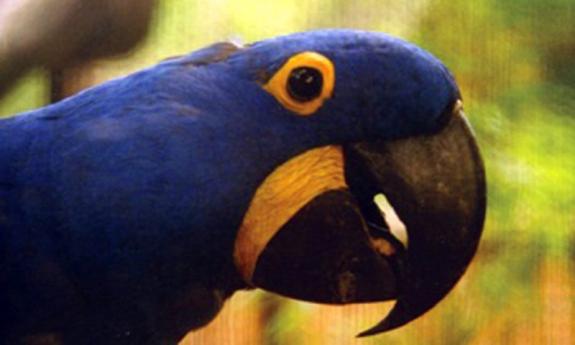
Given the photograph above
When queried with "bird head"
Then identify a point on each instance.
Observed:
(363, 114)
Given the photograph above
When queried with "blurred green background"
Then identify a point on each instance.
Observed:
(514, 61)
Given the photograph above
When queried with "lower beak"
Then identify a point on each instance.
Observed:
(324, 254)
(337, 248)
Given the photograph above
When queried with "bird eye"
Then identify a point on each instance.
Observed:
(303, 83)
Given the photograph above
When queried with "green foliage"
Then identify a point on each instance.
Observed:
(30, 92)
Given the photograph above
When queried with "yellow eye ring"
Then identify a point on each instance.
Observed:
(303, 83)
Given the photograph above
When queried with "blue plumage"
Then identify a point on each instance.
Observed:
(129, 195)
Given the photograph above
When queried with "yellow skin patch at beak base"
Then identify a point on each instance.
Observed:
(282, 194)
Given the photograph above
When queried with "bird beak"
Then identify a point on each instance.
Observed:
(338, 249)
(436, 184)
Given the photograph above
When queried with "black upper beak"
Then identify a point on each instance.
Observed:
(436, 184)
(336, 249)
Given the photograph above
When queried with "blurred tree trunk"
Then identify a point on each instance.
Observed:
(58, 33)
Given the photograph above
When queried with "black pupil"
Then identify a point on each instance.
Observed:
(304, 83)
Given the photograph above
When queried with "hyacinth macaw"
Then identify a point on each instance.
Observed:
(130, 212)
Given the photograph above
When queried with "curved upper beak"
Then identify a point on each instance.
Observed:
(436, 184)
(338, 248)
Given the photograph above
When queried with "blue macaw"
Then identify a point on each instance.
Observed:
(131, 211)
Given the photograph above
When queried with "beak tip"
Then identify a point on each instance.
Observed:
(398, 317)
(381, 327)
(372, 331)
